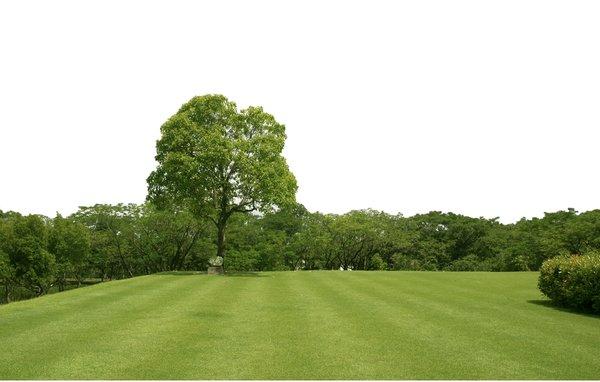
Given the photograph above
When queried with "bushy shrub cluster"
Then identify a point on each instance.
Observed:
(572, 281)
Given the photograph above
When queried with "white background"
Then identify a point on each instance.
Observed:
(486, 108)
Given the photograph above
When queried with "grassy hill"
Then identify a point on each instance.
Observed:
(300, 325)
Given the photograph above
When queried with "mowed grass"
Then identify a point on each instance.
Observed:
(300, 325)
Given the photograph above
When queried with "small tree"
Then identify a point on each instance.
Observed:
(218, 161)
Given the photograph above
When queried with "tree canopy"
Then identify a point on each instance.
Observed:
(217, 160)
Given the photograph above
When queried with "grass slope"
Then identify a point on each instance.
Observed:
(300, 325)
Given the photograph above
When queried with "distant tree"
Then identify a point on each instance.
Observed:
(69, 242)
(288, 220)
(356, 238)
(219, 161)
(312, 245)
(167, 240)
(278, 230)
(8, 279)
(110, 226)
(7, 276)
(583, 233)
(26, 247)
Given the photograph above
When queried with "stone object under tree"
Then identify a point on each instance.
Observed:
(216, 266)
(216, 270)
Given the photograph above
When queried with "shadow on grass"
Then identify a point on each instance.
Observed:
(550, 304)
(196, 273)
(182, 273)
(244, 274)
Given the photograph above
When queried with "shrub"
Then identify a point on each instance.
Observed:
(465, 264)
(400, 262)
(241, 261)
(572, 281)
(377, 263)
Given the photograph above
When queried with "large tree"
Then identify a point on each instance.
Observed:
(218, 160)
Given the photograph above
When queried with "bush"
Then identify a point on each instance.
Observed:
(466, 264)
(241, 261)
(400, 262)
(377, 263)
(572, 281)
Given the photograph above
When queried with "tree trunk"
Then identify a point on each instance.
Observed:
(221, 240)
(124, 264)
(6, 293)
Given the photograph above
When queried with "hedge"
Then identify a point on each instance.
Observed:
(572, 281)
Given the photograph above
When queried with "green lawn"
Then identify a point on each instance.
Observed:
(300, 325)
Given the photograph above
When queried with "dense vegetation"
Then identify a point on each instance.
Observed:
(572, 281)
(300, 325)
(102, 242)
(222, 187)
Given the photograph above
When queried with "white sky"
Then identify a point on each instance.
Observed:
(486, 108)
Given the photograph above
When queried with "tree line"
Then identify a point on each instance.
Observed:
(104, 242)
(223, 189)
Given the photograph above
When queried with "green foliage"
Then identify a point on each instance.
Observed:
(572, 281)
(139, 239)
(355, 238)
(311, 246)
(119, 241)
(243, 261)
(69, 242)
(26, 246)
(7, 277)
(110, 226)
(467, 263)
(169, 240)
(402, 262)
(218, 161)
(377, 263)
